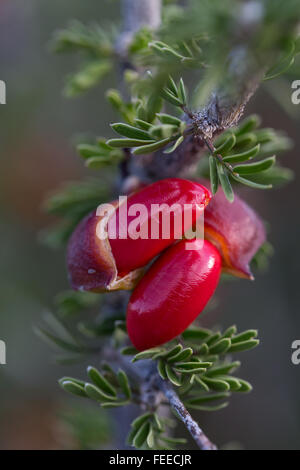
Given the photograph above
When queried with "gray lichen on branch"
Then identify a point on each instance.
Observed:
(192, 426)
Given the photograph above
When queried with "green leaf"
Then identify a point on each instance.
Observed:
(172, 86)
(246, 140)
(76, 199)
(244, 345)
(215, 384)
(79, 37)
(129, 351)
(137, 423)
(193, 365)
(157, 423)
(127, 143)
(98, 162)
(284, 64)
(172, 376)
(213, 338)
(224, 369)
(124, 383)
(243, 156)
(229, 332)
(173, 352)
(146, 354)
(96, 394)
(131, 436)
(209, 408)
(101, 381)
(150, 437)
(170, 97)
(52, 339)
(182, 92)
(152, 147)
(206, 398)
(201, 383)
(115, 404)
(250, 183)
(130, 131)
(154, 105)
(162, 369)
(195, 370)
(146, 126)
(196, 333)
(255, 167)
(203, 350)
(245, 386)
(220, 347)
(227, 145)
(225, 183)
(87, 151)
(163, 131)
(54, 321)
(276, 176)
(141, 435)
(163, 50)
(141, 113)
(173, 440)
(246, 335)
(81, 383)
(140, 40)
(174, 147)
(249, 124)
(115, 99)
(265, 135)
(73, 388)
(87, 77)
(233, 383)
(214, 177)
(181, 355)
(168, 119)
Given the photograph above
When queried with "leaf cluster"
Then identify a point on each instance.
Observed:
(202, 367)
(96, 45)
(70, 204)
(235, 150)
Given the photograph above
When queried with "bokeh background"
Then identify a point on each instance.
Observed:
(37, 130)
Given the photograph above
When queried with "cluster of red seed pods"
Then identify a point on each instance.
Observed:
(176, 288)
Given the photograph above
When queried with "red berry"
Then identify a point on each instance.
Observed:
(130, 254)
(173, 293)
(236, 230)
(96, 264)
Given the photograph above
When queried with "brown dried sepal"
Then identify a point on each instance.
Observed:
(236, 230)
(91, 264)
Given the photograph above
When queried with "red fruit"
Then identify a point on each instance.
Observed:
(132, 253)
(236, 230)
(98, 265)
(91, 265)
(173, 293)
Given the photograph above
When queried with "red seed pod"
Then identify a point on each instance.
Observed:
(97, 264)
(157, 201)
(173, 293)
(236, 230)
(90, 262)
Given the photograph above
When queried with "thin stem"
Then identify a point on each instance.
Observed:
(137, 13)
(209, 144)
(192, 426)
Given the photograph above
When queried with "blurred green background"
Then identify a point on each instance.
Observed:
(37, 155)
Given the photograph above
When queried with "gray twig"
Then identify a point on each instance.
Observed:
(137, 13)
(192, 426)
